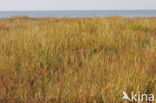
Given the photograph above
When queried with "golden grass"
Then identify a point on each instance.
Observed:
(76, 60)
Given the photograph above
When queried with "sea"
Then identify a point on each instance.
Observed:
(83, 13)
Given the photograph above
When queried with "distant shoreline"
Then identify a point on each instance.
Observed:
(81, 13)
(76, 10)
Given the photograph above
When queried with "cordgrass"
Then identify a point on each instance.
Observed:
(76, 60)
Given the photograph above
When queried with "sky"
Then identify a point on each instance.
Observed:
(78, 4)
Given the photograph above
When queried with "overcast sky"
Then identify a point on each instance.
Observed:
(77, 4)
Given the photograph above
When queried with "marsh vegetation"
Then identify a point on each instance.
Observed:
(76, 60)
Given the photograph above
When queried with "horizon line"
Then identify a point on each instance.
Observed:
(89, 10)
